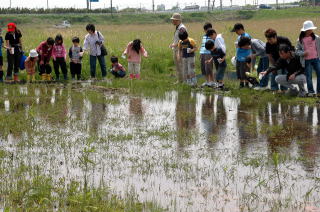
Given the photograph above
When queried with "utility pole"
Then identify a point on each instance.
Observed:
(111, 8)
(10, 3)
(87, 4)
(152, 5)
(220, 4)
(277, 3)
(208, 5)
(47, 4)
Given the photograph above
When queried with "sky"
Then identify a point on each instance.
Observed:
(123, 3)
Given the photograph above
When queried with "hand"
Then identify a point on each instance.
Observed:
(263, 73)
(292, 76)
(208, 61)
(81, 54)
(305, 54)
(220, 60)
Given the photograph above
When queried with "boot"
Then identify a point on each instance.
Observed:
(33, 78)
(16, 78)
(48, 77)
(131, 76)
(137, 76)
(44, 77)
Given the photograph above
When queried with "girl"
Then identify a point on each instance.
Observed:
(45, 51)
(59, 55)
(30, 65)
(134, 51)
(308, 48)
(14, 49)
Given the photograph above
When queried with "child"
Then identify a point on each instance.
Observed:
(75, 55)
(205, 55)
(59, 55)
(1, 57)
(219, 58)
(45, 51)
(117, 69)
(217, 38)
(308, 48)
(134, 51)
(187, 48)
(30, 64)
(243, 52)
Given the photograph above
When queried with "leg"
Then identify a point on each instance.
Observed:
(274, 84)
(300, 80)
(48, 71)
(121, 74)
(209, 68)
(316, 67)
(10, 60)
(64, 69)
(102, 62)
(263, 65)
(131, 69)
(282, 81)
(93, 64)
(283, 88)
(56, 68)
(137, 70)
(78, 71)
(203, 65)
(308, 70)
(179, 66)
(73, 70)
(184, 72)
(220, 72)
(17, 58)
(191, 70)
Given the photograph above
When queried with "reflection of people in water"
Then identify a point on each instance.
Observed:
(185, 117)
(135, 107)
(77, 104)
(213, 118)
(97, 113)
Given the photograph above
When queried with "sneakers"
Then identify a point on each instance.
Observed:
(131, 76)
(302, 94)
(311, 95)
(292, 92)
(258, 88)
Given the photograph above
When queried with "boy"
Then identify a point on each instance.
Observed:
(217, 38)
(243, 52)
(187, 48)
(117, 69)
(1, 57)
(45, 51)
(219, 58)
(205, 55)
(75, 55)
(30, 64)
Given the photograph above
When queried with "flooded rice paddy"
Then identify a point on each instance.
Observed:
(184, 152)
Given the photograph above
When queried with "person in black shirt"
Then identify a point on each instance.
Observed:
(272, 50)
(290, 62)
(14, 49)
(219, 59)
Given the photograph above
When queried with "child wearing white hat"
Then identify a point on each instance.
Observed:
(30, 65)
(308, 48)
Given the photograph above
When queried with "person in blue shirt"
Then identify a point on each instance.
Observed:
(206, 68)
(241, 53)
(1, 57)
(244, 51)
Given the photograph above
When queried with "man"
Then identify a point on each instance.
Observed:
(177, 22)
(272, 50)
(290, 62)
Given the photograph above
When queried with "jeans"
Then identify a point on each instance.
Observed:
(274, 84)
(220, 68)
(60, 62)
(75, 69)
(315, 64)
(263, 65)
(93, 64)
(299, 80)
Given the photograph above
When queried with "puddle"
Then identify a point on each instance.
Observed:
(186, 152)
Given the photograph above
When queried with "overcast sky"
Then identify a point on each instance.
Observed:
(122, 3)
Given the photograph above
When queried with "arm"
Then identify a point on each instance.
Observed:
(299, 49)
(253, 60)
(64, 52)
(86, 43)
(271, 60)
(144, 52)
(53, 53)
(127, 49)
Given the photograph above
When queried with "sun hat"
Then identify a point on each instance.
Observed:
(308, 25)
(176, 17)
(11, 27)
(33, 53)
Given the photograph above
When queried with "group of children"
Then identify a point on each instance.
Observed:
(55, 49)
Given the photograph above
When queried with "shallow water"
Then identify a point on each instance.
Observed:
(186, 152)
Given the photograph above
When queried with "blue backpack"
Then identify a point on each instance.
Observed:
(22, 60)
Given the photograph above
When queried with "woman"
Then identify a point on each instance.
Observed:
(94, 41)
(14, 49)
(308, 48)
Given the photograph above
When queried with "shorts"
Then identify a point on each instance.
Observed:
(134, 68)
(242, 68)
(206, 69)
(1, 60)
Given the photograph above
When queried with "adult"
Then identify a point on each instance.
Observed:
(290, 62)
(93, 41)
(177, 22)
(14, 50)
(272, 50)
(308, 48)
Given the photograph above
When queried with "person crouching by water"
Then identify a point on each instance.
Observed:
(116, 68)
(290, 62)
(30, 64)
(45, 52)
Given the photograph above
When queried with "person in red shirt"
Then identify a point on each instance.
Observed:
(45, 51)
